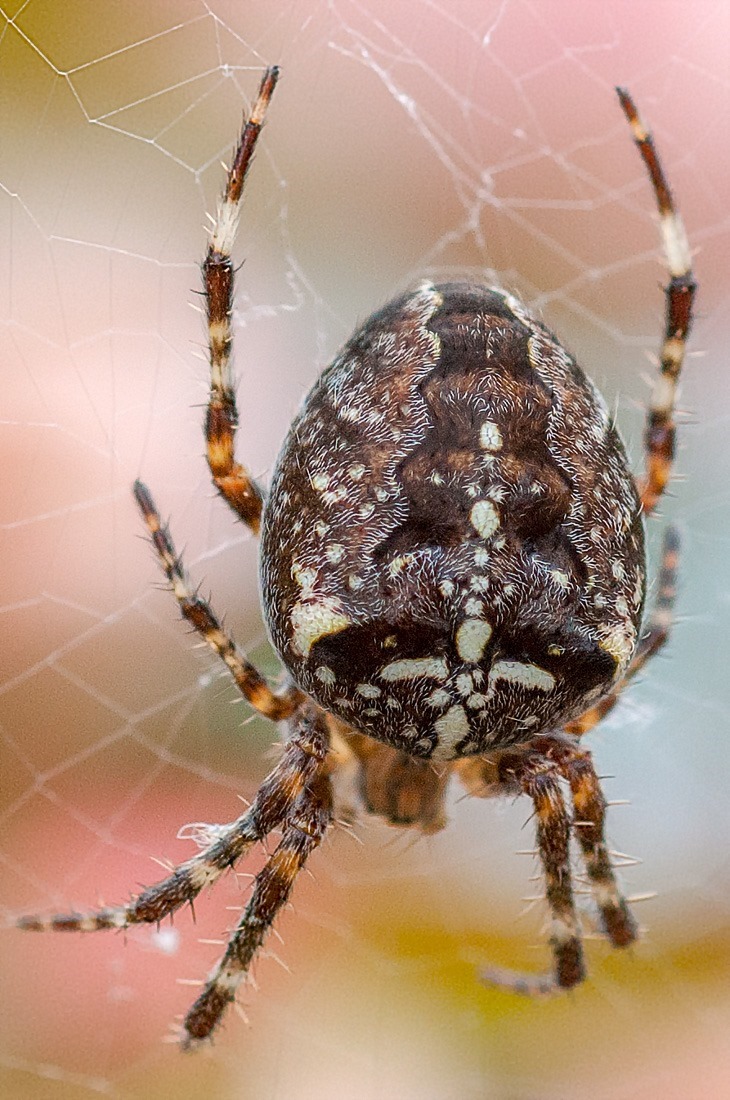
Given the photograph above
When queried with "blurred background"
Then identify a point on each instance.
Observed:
(477, 139)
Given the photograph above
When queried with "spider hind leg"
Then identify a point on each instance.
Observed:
(303, 831)
(295, 797)
(537, 773)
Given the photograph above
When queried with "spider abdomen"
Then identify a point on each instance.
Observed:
(452, 550)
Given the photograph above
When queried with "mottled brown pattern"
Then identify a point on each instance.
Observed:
(453, 573)
(544, 578)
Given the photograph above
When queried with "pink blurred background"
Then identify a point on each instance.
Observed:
(480, 139)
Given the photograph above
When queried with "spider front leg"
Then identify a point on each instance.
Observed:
(232, 481)
(680, 292)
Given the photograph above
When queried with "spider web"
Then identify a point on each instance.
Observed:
(476, 139)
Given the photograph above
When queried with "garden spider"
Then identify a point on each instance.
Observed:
(453, 574)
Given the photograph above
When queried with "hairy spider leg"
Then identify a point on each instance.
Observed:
(538, 776)
(201, 616)
(656, 634)
(300, 764)
(659, 439)
(589, 809)
(303, 829)
(231, 479)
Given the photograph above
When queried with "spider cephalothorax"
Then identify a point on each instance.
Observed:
(453, 574)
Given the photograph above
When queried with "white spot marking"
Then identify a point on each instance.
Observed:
(398, 564)
(225, 227)
(490, 437)
(201, 874)
(484, 518)
(305, 578)
(662, 397)
(471, 638)
(325, 675)
(334, 496)
(369, 691)
(320, 482)
(605, 893)
(476, 701)
(620, 642)
(313, 620)
(439, 698)
(451, 728)
(464, 684)
(517, 672)
(562, 931)
(335, 553)
(430, 668)
(676, 245)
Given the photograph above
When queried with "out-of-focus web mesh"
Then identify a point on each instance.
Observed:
(473, 140)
